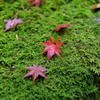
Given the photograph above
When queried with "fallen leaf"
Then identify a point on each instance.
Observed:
(96, 7)
(35, 2)
(12, 23)
(35, 71)
(52, 47)
(58, 28)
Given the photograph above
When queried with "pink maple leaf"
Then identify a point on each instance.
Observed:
(58, 28)
(12, 23)
(35, 71)
(52, 47)
(35, 2)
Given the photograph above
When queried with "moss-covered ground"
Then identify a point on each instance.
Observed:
(75, 76)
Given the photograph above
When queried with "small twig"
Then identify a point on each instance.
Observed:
(64, 40)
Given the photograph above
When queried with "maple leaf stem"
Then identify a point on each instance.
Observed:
(41, 55)
(64, 40)
(15, 16)
(33, 82)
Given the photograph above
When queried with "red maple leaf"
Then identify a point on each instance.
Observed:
(35, 2)
(58, 28)
(53, 47)
(35, 71)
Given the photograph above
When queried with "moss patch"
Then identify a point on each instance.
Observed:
(74, 76)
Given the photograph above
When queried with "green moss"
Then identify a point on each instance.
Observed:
(74, 76)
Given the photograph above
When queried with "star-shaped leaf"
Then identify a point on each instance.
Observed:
(12, 23)
(35, 2)
(35, 71)
(52, 47)
(58, 28)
